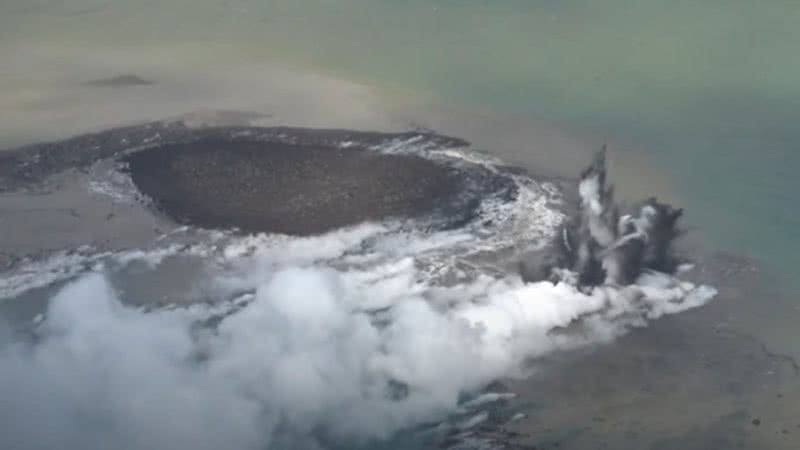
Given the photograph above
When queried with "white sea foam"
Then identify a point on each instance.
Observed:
(315, 354)
(107, 179)
(33, 273)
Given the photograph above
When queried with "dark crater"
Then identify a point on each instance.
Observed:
(295, 181)
(285, 188)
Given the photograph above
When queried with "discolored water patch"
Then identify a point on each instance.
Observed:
(286, 188)
(120, 81)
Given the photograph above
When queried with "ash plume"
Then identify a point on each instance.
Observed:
(602, 246)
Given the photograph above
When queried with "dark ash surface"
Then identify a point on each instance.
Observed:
(289, 189)
(287, 180)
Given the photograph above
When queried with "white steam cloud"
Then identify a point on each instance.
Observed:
(315, 354)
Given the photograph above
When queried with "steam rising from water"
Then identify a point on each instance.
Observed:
(317, 342)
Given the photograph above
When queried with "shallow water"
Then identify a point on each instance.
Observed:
(709, 91)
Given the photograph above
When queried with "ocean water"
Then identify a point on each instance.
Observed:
(709, 89)
(706, 93)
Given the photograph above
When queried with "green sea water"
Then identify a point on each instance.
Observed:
(709, 89)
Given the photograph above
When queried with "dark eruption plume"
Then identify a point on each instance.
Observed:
(601, 246)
